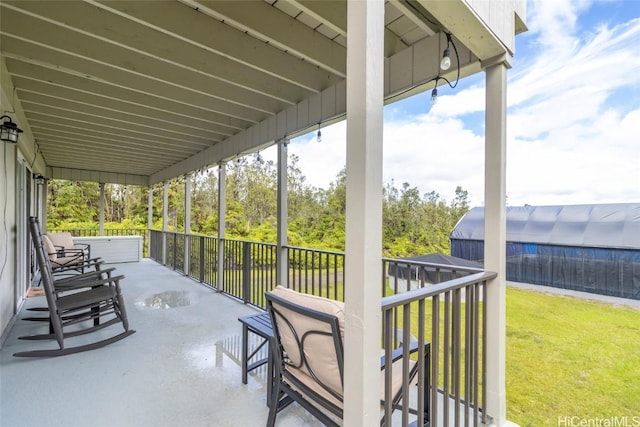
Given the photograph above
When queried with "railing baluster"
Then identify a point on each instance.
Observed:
(201, 239)
(406, 344)
(435, 359)
(456, 355)
(484, 350)
(447, 366)
(467, 355)
(388, 329)
(423, 364)
(476, 355)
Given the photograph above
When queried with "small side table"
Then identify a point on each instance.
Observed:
(258, 324)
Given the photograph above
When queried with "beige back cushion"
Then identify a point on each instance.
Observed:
(62, 239)
(319, 350)
(49, 248)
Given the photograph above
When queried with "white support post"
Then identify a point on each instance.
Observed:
(187, 222)
(101, 209)
(495, 239)
(43, 216)
(43, 205)
(365, 70)
(165, 219)
(150, 208)
(282, 270)
(222, 207)
(149, 219)
(36, 186)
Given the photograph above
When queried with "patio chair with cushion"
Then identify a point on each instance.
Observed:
(308, 352)
(65, 255)
(72, 307)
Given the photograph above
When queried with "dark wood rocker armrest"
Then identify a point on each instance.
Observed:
(88, 263)
(85, 275)
(92, 283)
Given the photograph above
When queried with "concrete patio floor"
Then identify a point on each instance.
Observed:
(180, 368)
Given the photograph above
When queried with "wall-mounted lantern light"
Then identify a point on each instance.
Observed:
(9, 131)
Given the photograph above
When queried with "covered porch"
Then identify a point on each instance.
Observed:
(138, 93)
(181, 367)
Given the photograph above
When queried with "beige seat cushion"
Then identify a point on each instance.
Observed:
(74, 257)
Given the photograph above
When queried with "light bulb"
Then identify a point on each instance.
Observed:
(319, 136)
(445, 64)
(434, 96)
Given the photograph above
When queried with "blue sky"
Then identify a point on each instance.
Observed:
(573, 132)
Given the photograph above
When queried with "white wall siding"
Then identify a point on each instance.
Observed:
(7, 234)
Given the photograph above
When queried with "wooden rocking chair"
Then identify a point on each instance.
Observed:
(70, 308)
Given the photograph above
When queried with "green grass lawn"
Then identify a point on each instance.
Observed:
(570, 357)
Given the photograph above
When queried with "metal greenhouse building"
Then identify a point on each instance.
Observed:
(590, 248)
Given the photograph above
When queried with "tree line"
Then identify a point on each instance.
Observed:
(413, 223)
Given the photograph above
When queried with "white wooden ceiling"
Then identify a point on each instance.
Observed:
(138, 87)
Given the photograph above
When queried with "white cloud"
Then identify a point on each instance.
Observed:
(428, 152)
(322, 161)
(568, 141)
(455, 103)
(434, 154)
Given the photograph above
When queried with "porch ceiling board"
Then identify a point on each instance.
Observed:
(225, 43)
(78, 162)
(189, 83)
(44, 103)
(91, 34)
(50, 106)
(81, 123)
(145, 75)
(142, 113)
(50, 79)
(59, 144)
(266, 23)
(90, 137)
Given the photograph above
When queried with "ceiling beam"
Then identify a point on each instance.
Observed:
(41, 102)
(38, 78)
(267, 23)
(183, 22)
